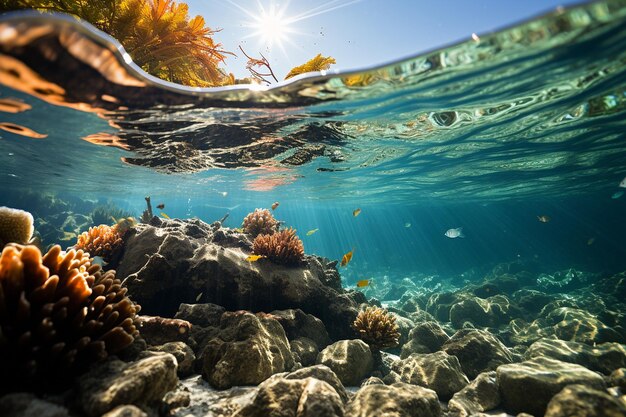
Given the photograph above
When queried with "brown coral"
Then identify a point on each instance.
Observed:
(16, 226)
(260, 222)
(282, 247)
(58, 313)
(103, 241)
(377, 327)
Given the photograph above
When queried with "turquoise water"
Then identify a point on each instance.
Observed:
(486, 135)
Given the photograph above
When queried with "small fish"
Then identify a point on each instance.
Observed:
(407, 225)
(224, 193)
(617, 195)
(165, 215)
(356, 212)
(161, 206)
(276, 204)
(310, 232)
(254, 258)
(590, 241)
(363, 283)
(543, 218)
(454, 233)
(198, 297)
(623, 183)
(346, 258)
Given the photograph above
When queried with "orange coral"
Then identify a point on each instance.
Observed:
(58, 313)
(260, 222)
(377, 327)
(282, 247)
(103, 241)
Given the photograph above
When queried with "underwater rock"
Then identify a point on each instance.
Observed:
(439, 304)
(126, 411)
(21, 404)
(160, 330)
(298, 324)
(304, 350)
(176, 262)
(204, 315)
(529, 386)
(482, 394)
(308, 397)
(505, 284)
(564, 281)
(350, 360)
(183, 354)
(618, 379)
(372, 380)
(437, 371)
(489, 312)
(248, 350)
(478, 351)
(425, 337)
(604, 358)
(583, 401)
(320, 372)
(397, 400)
(113, 383)
(532, 301)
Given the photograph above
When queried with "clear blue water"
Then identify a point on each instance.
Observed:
(485, 135)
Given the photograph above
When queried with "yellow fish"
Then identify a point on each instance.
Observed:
(346, 258)
(591, 240)
(543, 218)
(363, 283)
(165, 215)
(276, 204)
(198, 297)
(254, 258)
(356, 212)
(310, 232)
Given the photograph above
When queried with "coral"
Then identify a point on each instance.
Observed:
(282, 247)
(317, 63)
(16, 226)
(103, 241)
(58, 314)
(377, 327)
(260, 222)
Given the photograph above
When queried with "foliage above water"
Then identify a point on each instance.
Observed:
(158, 34)
(317, 63)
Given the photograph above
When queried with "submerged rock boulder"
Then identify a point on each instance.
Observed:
(247, 350)
(529, 386)
(605, 357)
(482, 394)
(425, 337)
(308, 397)
(437, 371)
(478, 351)
(397, 400)
(584, 401)
(169, 262)
(351, 360)
(113, 383)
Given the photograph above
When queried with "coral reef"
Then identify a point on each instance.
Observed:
(260, 222)
(377, 327)
(108, 214)
(282, 247)
(59, 314)
(103, 241)
(16, 226)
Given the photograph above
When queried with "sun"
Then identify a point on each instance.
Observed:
(271, 26)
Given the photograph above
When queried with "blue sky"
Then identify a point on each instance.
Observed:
(359, 33)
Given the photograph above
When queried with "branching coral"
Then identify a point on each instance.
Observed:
(103, 240)
(16, 226)
(58, 313)
(282, 247)
(260, 222)
(377, 327)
